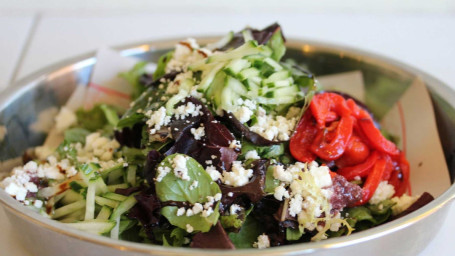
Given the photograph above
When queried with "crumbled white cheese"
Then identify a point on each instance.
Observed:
(252, 154)
(18, 184)
(217, 197)
(273, 128)
(189, 228)
(185, 53)
(295, 205)
(263, 242)
(234, 209)
(235, 144)
(197, 208)
(180, 168)
(97, 146)
(238, 176)
(213, 172)
(281, 174)
(281, 192)
(180, 211)
(207, 212)
(65, 119)
(243, 114)
(321, 174)
(187, 110)
(194, 185)
(383, 191)
(293, 112)
(157, 119)
(198, 133)
(162, 172)
(189, 212)
(230, 194)
(402, 203)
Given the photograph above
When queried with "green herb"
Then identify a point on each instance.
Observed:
(248, 233)
(172, 188)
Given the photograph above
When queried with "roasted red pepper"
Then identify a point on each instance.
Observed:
(300, 142)
(332, 149)
(376, 139)
(362, 170)
(356, 153)
(342, 133)
(373, 180)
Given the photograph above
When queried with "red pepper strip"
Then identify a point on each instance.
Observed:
(320, 107)
(373, 180)
(331, 116)
(376, 139)
(336, 147)
(360, 170)
(300, 142)
(356, 153)
(357, 111)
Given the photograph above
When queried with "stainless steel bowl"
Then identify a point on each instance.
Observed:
(22, 102)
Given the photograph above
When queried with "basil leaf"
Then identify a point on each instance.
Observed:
(360, 214)
(381, 208)
(133, 77)
(265, 152)
(172, 188)
(199, 223)
(248, 233)
(75, 135)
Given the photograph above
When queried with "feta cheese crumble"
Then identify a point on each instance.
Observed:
(383, 191)
(262, 242)
(213, 172)
(189, 228)
(402, 203)
(157, 119)
(187, 110)
(273, 128)
(198, 133)
(180, 168)
(162, 172)
(238, 176)
(234, 209)
(252, 154)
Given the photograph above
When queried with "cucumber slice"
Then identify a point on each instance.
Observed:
(123, 207)
(131, 175)
(106, 202)
(93, 226)
(90, 201)
(209, 77)
(105, 173)
(224, 41)
(235, 66)
(249, 73)
(112, 188)
(247, 35)
(277, 76)
(115, 231)
(114, 177)
(216, 87)
(71, 196)
(115, 196)
(67, 209)
(249, 48)
(104, 213)
(89, 171)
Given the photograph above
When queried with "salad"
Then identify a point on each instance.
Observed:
(225, 146)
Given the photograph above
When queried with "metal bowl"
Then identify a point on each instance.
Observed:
(21, 104)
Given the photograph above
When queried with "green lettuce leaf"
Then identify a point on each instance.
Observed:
(248, 233)
(75, 135)
(276, 43)
(162, 63)
(172, 188)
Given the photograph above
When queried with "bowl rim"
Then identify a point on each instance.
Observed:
(32, 80)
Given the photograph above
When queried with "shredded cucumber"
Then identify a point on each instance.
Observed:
(115, 196)
(112, 188)
(67, 209)
(104, 213)
(104, 201)
(93, 226)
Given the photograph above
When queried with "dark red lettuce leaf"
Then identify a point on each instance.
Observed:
(243, 131)
(147, 212)
(127, 191)
(261, 36)
(130, 137)
(216, 238)
(153, 159)
(254, 190)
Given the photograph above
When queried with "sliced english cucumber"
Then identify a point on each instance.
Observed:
(106, 202)
(93, 226)
(115, 196)
(104, 213)
(67, 209)
(112, 188)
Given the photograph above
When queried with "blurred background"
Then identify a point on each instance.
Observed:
(35, 34)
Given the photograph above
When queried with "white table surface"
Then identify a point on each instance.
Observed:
(30, 42)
